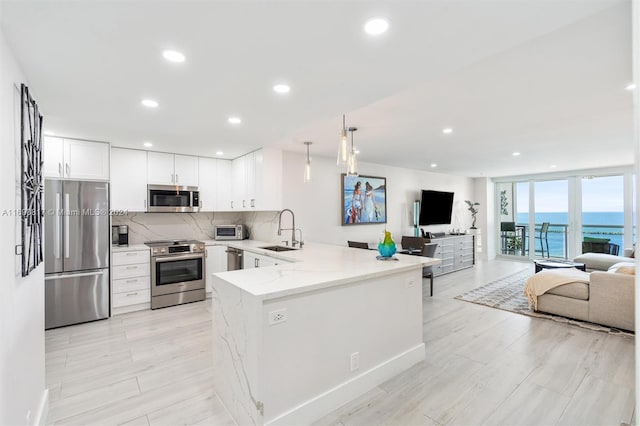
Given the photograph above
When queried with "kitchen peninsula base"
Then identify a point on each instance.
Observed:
(294, 357)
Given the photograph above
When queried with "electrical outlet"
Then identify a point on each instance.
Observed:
(277, 317)
(355, 361)
(410, 282)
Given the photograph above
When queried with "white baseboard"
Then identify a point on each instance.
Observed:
(40, 419)
(315, 408)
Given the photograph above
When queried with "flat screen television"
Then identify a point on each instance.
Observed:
(436, 207)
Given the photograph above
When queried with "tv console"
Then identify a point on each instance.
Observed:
(456, 252)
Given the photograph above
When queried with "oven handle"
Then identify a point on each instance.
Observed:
(173, 257)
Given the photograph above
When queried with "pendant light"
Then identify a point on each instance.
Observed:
(307, 166)
(342, 149)
(352, 162)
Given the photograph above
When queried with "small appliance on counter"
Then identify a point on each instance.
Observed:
(123, 235)
(230, 232)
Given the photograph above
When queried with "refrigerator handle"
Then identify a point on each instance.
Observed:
(66, 225)
(58, 232)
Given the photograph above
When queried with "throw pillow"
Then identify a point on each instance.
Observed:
(629, 270)
(596, 240)
(616, 268)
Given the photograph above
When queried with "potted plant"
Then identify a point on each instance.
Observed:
(474, 211)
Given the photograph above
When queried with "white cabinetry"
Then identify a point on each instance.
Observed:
(223, 185)
(216, 261)
(128, 180)
(207, 177)
(130, 281)
(254, 260)
(257, 180)
(76, 159)
(172, 169)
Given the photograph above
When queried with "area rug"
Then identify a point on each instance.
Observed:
(508, 294)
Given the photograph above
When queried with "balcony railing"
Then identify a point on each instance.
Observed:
(557, 237)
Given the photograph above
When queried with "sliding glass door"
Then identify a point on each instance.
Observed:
(550, 235)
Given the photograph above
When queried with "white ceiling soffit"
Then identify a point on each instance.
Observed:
(545, 78)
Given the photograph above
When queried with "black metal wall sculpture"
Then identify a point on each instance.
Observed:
(31, 182)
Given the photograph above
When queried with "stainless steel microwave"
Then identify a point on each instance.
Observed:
(229, 232)
(172, 199)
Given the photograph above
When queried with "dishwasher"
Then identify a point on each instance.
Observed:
(234, 259)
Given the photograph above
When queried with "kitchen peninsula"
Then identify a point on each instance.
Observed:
(293, 342)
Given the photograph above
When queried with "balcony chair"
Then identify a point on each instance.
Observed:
(358, 244)
(543, 237)
(600, 247)
(507, 236)
(429, 250)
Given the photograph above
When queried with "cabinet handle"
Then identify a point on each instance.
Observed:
(132, 267)
(132, 294)
(68, 170)
(177, 178)
(132, 254)
(244, 204)
(59, 169)
(253, 202)
(232, 204)
(132, 281)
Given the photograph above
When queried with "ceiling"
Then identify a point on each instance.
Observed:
(542, 78)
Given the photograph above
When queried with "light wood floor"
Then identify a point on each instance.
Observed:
(483, 366)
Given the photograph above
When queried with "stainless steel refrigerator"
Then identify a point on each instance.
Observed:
(77, 239)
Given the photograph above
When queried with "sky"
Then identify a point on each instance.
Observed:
(599, 194)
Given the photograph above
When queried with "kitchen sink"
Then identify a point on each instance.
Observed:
(278, 248)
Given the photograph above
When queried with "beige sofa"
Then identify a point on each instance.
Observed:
(608, 299)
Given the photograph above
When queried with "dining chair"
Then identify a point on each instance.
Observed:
(429, 250)
(358, 244)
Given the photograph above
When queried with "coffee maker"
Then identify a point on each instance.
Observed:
(120, 235)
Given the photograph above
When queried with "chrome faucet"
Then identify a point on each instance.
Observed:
(292, 229)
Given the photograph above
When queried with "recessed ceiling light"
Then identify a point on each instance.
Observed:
(376, 26)
(553, 166)
(516, 154)
(148, 144)
(447, 130)
(219, 153)
(434, 165)
(357, 151)
(173, 56)
(281, 88)
(234, 120)
(149, 103)
(631, 87)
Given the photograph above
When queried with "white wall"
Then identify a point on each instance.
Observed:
(317, 204)
(22, 374)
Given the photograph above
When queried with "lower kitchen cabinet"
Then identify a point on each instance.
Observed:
(130, 281)
(254, 260)
(215, 261)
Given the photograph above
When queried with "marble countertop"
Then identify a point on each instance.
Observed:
(314, 267)
(131, 247)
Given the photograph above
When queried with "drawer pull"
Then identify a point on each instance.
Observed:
(132, 254)
(132, 281)
(132, 267)
(132, 294)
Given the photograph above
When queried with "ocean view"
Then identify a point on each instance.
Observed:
(592, 226)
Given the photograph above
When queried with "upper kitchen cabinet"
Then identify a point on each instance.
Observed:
(257, 180)
(223, 185)
(128, 179)
(208, 179)
(172, 169)
(76, 159)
